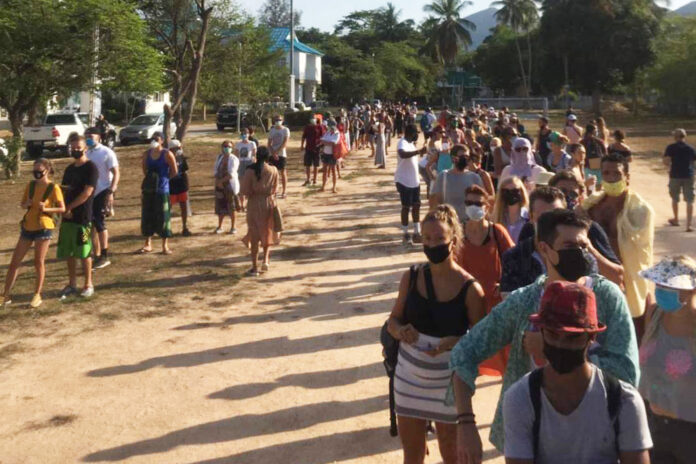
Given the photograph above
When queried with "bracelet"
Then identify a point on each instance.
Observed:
(465, 422)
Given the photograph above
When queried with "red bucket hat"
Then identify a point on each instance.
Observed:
(568, 307)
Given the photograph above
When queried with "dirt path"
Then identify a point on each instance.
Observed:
(178, 360)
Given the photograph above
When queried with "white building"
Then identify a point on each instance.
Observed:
(307, 66)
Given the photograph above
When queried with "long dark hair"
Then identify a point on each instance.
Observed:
(261, 158)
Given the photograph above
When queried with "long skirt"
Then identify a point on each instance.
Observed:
(380, 151)
(421, 381)
(155, 215)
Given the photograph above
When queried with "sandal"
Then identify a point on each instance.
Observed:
(252, 273)
(264, 267)
(673, 222)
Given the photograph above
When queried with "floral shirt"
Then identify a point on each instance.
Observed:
(617, 351)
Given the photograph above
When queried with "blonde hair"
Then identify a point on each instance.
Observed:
(500, 208)
(46, 163)
(685, 261)
(445, 214)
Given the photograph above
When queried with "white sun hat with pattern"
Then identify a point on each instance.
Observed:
(677, 272)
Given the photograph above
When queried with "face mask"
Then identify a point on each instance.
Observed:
(462, 163)
(614, 189)
(90, 143)
(475, 212)
(437, 254)
(180, 152)
(571, 200)
(574, 263)
(279, 123)
(39, 174)
(564, 360)
(76, 153)
(245, 137)
(445, 146)
(154, 144)
(227, 150)
(512, 197)
(668, 300)
(312, 121)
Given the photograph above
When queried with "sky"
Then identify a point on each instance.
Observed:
(325, 14)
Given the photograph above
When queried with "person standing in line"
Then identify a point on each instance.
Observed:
(668, 360)
(522, 164)
(245, 150)
(450, 186)
(427, 122)
(41, 200)
(388, 129)
(311, 135)
(542, 141)
(511, 208)
(259, 185)
(475, 167)
(603, 131)
(278, 138)
(437, 303)
(680, 157)
(572, 130)
(226, 187)
(408, 182)
(579, 399)
(179, 185)
(159, 165)
(619, 146)
(594, 150)
(558, 159)
(503, 152)
(329, 162)
(380, 145)
(106, 162)
(74, 240)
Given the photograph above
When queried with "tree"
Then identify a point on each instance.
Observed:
(602, 43)
(450, 30)
(276, 13)
(490, 58)
(402, 73)
(521, 16)
(181, 28)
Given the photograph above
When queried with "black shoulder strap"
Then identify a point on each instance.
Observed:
(429, 287)
(48, 191)
(412, 277)
(32, 189)
(535, 379)
(613, 402)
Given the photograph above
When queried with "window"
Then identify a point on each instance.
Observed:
(60, 119)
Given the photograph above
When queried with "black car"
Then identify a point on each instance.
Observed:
(227, 117)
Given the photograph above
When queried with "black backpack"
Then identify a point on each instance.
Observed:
(613, 403)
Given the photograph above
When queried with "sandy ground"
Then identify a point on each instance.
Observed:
(179, 360)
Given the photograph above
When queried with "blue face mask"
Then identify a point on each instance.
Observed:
(668, 300)
(90, 142)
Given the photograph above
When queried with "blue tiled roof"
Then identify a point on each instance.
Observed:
(280, 40)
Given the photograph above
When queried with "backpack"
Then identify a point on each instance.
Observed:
(47, 193)
(612, 386)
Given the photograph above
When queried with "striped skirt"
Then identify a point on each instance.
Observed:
(421, 381)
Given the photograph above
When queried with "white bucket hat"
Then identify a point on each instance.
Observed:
(672, 273)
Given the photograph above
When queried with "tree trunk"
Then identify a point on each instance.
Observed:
(16, 122)
(519, 56)
(529, 64)
(597, 102)
(167, 123)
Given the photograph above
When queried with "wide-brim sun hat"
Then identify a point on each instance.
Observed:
(543, 178)
(672, 272)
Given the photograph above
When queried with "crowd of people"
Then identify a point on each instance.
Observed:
(539, 269)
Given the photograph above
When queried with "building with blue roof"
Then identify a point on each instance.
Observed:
(307, 64)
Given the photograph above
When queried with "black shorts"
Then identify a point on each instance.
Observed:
(427, 135)
(409, 196)
(311, 158)
(279, 163)
(328, 160)
(99, 211)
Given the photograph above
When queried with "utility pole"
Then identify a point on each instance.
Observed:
(239, 90)
(292, 55)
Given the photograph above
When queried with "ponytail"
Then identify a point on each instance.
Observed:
(261, 158)
(445, 214)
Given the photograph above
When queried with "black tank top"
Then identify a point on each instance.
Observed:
(434, 318)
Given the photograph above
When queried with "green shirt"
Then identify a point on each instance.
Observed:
(507, 323)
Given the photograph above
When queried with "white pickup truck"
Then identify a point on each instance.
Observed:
(53, 133)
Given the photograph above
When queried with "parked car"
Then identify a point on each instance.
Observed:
(227, 117)
(142, 128)
(53, 134)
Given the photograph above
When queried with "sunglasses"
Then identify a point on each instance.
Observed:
(472, 203)
(521, 149)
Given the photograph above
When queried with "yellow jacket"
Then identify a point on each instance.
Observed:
(636, 231)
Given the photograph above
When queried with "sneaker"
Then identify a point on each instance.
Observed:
(36, 301)
(218, 230)
(101, 262)
(186, 233)
(407, 237)
(233, 231)
(67, 292)
(306, 183)
(6, 302)
(87, 292)
(417, 238)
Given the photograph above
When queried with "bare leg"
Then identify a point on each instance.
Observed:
(284, 179)
(20, 252)
(165, 246)
(96, 244)
(415, 213)
(148, 244)
(412, 433)
(103, 240)
(40, 250)
(184, 215)
(324, 176)
(254, 255)
(675, 210)
(87, 270)
(337, 169)
(333, 177)
(447, 441)
(233, 217)
(316, 169)
(404, 215)
(689, 215)
(267, 255)
(220, 219)
(72, 272)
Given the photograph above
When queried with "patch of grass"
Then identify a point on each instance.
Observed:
(311, 190)
(55, 421)
(108, 316)
(385, 183)
(356, 174)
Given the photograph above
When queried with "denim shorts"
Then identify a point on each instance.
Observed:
(33, 235)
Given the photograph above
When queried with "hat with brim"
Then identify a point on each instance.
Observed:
(572, 117)
(671, 273)
(543, 178)
(568, 307)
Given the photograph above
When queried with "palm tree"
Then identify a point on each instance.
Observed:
(521, 16)
(450, 31)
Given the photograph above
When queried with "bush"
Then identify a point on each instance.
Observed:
(298, 119)
(10, 163)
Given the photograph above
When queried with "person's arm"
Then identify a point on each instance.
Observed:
(410, 154)
(57, 202)
(116, 171)
(80, 199)
(634, 457)
(171, 161)
(497, 162)
(667, 158)
(286, 139)
(404, 332)
(437, 196)
(487, 183)
(607, 262)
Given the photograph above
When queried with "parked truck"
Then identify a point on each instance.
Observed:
(53, 134)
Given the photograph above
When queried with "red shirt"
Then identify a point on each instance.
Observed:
(312, 135)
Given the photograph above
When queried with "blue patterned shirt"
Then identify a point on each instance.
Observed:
(507, 322)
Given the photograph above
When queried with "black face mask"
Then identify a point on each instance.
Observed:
(574, 263)
(564, 360)
(437, 254)
(512, 197)
(77, 154)
(38, 174)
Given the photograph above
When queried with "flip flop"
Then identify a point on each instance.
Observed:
(672, 222)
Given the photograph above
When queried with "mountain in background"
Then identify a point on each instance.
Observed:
(687, 10)
(485, 21)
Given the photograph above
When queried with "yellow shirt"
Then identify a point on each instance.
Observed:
(636, 230)
(34, 220)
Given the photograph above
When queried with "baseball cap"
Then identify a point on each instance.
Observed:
(92, 131)
(568, 307)
(572, 117)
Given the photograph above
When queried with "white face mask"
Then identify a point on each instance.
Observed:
(279, 123)
(445, 146)
(475, 212)
(154, 144)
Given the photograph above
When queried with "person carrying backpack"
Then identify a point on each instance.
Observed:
(41, 199)
(571, 410)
